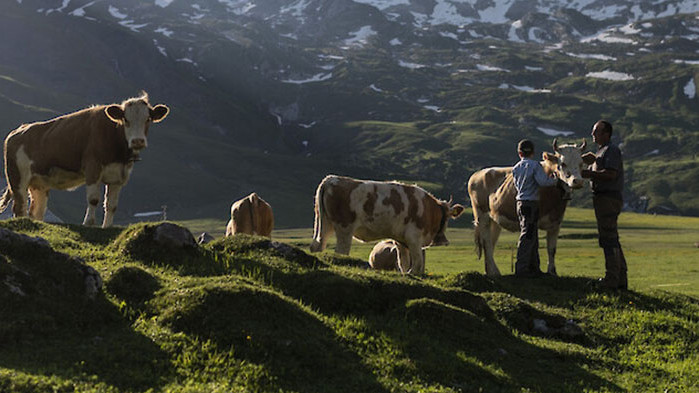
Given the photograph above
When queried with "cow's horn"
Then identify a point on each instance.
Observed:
(555, 144)
(584, 143)
(451, 199)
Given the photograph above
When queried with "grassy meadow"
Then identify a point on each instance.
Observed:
(661, 251)
(246, 314)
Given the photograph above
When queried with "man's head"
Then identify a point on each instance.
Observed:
(525, 148)
(602, 132)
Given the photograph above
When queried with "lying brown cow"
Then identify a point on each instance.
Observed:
(384, 255)
(492, 192)
(372, 210)
(251, 215)
(95, 145)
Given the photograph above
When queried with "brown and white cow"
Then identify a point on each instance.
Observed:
(492, 192)
(373, 210)
(94, 146)
(251, 215)
(384, 255)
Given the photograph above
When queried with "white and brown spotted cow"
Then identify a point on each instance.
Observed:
(251, 215)
(373, 210)
(492, 192)
(94, 146)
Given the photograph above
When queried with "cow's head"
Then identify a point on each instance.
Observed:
(448, 211)
(566, 162)
(136, 114)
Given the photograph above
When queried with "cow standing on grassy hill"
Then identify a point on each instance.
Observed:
(493, 193)
(95, 145)
(372, 210)
(251, 215)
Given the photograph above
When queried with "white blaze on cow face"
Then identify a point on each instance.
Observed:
(135, 115)
(567, 163)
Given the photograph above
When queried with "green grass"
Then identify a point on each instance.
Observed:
(244, 314)
(661, 250)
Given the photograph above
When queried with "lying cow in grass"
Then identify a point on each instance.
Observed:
(251, 215)
(492, 192)
(372, 210)
(94, 146)
(384, 255)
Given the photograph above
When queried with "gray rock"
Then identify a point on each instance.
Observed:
(174, 236)
(8, 237)
(204, 238)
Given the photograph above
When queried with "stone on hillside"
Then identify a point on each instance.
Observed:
(173, 236)
(24, 276)
(8, 237)
(204, 238)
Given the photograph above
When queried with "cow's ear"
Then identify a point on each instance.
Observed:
(115, 113)
(456, 211)
(158, 113)
(549, 157)
(589, 158)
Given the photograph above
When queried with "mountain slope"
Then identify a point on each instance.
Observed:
(272, 96)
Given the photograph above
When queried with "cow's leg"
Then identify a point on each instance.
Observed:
(93, 199)
(344, 239)
(321, 233)
(111, 200)
(486, 231)
(19, 174)
(404, 263)
(551, 242)
(417, 258)
(39, 200)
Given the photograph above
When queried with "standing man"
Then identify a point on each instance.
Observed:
(528, 176)
(607, 179)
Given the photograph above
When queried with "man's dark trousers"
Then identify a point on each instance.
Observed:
(607, 210)
(528, 262)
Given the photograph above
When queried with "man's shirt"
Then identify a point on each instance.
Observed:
(529, 176)
(609, 157)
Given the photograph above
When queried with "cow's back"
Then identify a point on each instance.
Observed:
(265, 218)
(484, 183)
(384, 256)
(65, 142)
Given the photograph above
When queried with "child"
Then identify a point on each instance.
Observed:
(528, 177)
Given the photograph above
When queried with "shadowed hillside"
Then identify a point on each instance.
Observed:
(249, 314)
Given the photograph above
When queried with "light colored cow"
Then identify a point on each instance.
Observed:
(373, 210)
(94, 146)
(492, 192)
(384, 255)
(251, 215)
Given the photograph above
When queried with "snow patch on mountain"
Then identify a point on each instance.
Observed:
(591, 56)
(554, 132)
(412, 66)
(164, 31)
(361, 36)
(113, 11)
(483, 67)
(610, 75)
(315, 78)
(163, 3)
(690, 89)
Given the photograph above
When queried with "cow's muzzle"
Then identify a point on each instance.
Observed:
(440, 240)
(138, 144)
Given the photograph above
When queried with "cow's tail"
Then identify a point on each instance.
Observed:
(319, 209)
(6, 199)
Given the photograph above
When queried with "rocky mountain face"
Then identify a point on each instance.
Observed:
(270, 96)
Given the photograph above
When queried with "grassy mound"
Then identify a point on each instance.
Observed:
(246, 314)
